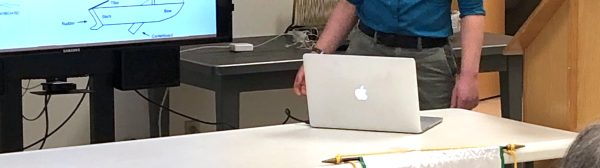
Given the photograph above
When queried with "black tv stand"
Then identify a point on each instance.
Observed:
(59, 86)
(102, 66)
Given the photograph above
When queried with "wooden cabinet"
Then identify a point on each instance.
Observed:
(561, 64)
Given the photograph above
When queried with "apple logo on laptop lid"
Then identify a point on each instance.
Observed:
(361, 93)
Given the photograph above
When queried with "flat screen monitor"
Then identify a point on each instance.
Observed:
(42, 25)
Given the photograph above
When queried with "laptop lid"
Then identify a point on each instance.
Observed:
(362, 92)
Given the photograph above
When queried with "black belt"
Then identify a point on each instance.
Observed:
(396, 40)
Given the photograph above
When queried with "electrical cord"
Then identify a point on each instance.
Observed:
(226, 47)
(33, 87)
(203, 47)
(489, 98)
(46, 99)
(181, 114)
(164, 100)
(268, 41)
(27, 88)
(63, 123)
(289, 115)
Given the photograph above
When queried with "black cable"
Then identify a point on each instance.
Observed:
(286, 120)
(63, 123)
(41, 112)
(46, 101)
(489, 98)
(288, 112)
(181, 114)
(26, 88)
(33, 87)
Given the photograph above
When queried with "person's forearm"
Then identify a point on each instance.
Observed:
(472, 41)
(342, 20)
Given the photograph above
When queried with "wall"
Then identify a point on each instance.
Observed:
(261, 17)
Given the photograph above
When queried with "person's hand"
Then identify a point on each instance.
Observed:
(300, 83)
(465, 94)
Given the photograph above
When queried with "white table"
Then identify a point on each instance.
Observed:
(298, 145)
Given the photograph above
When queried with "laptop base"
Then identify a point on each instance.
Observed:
(429, 122)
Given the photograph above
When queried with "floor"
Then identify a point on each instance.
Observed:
(490, 106)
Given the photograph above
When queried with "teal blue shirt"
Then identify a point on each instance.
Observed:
(423, 18)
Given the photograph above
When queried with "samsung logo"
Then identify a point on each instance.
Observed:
(72, 50)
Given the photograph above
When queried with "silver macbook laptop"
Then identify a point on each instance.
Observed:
(364, 93)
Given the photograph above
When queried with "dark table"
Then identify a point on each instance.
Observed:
(273, 66)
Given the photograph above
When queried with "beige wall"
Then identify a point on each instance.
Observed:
(261, 17)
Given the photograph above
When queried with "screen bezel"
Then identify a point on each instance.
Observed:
(224, 34)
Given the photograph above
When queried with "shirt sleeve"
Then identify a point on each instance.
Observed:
(470, 7)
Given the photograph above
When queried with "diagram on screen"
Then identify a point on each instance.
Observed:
(122, 12)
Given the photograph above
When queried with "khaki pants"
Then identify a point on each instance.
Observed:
(436, 67)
